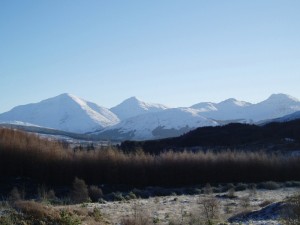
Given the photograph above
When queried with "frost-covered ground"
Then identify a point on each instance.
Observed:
(262, 208)
(247, 207)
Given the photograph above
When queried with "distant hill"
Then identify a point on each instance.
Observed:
(233, 136)
(46, 131)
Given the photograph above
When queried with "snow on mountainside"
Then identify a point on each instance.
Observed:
(64, 112)
(18, 123)
(228, 104)
(230, 109)
(133, 107)
(276, 105)
(205, 106)
(167, 123)
(135, 119)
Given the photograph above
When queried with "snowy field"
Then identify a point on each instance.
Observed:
(162, 210)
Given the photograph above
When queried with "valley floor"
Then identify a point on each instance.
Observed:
(182, 209)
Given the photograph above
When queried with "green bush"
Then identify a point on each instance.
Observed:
(118, 196)
(130, 195)
(7, 220)
(67, 218)
(96, 214)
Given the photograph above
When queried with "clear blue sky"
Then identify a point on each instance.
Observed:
(174, 52)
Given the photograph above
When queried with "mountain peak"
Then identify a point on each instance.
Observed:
(133, 106)
(233, 101)
(132, 99)
(63, 112)
(65, 95)
(229, 100)
(282, 97)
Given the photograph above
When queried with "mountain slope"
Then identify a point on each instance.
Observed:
(230, 109)
(289, 117)
(277, 105)
(65, 112)
(135, 119)
(167, 123)
(133, 107)
(272, 136)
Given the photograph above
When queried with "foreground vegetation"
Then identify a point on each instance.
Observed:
(31, 212)
(53, 164)
(26, 155)
(243, 207)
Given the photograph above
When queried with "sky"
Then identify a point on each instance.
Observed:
(174, 52)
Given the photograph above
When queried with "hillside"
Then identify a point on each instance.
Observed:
(163, 124)
(271, 136)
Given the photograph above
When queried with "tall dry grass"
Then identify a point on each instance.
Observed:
(27, 155)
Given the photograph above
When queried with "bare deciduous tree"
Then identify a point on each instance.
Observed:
(209, 209)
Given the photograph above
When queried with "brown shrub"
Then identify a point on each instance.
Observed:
(37, 210)
(95, 193)
(79, 192)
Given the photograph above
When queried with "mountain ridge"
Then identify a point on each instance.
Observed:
(136, 119)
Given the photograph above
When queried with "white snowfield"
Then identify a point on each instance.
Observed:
(65, 112)
(143, 120)
(277, 105)
(144, 126)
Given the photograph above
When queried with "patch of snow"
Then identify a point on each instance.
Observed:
(19, 123)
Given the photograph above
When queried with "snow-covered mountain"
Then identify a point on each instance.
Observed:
(230, 109)
(277, 105)
(135, 119)
(133, 107)
(166, 123)
(65, 112)
(205, 106)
